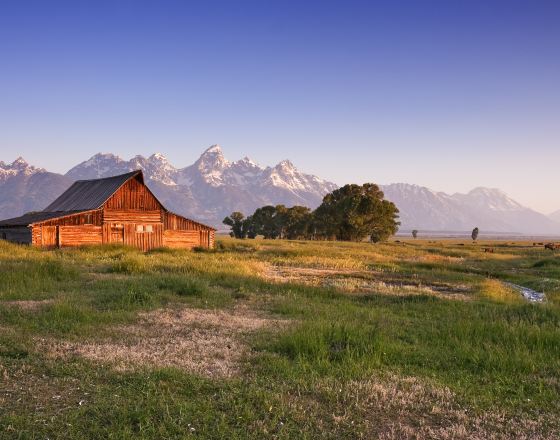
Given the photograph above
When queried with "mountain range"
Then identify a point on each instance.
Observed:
(213, 187)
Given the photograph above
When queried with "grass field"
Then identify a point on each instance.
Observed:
(279, 339)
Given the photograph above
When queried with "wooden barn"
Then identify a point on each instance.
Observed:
(119, 209)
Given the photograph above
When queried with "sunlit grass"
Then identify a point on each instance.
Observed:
(435, 314)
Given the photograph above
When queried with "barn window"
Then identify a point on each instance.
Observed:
(88, 219)
(149, 228)
(139, 228)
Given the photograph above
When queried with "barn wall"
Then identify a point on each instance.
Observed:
(178, 223)
(16, 234)
(131, 216)
(113, 233)
(143, 240)
(83, 218)
(36, 235)
(181, 239)
(133, 195)
(80, 235)
(48, 236)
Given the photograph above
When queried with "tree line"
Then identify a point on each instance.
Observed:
(350, 213)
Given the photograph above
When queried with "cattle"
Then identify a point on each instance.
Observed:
(552, 246)
(489, 250)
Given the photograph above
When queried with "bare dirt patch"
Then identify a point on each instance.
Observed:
(367, 282)
(207, 342)
(28, 305)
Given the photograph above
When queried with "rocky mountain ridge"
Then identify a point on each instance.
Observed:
(212, 187)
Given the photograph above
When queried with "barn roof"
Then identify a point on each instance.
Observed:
(34, 217)
(85, 195)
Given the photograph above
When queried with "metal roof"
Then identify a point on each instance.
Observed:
(34, 217)
(85, 195)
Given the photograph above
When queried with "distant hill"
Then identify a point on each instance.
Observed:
(25, 188)
(489, 209)
(555, 216)
(213, 187)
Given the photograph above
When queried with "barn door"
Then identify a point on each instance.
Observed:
(144, 236)
(49, 236)
(117, 233)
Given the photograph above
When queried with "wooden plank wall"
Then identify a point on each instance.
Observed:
(131, 216)
(82, 218)
(133, 195)
(181, 239)
(36, 235)
(79, 235)
(113, 233)
(143, 240)
(177, 223)
(49, 236)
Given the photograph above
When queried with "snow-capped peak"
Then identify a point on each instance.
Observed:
(17, 167)
(213, 148)
(158, 156)
(286, 165)
(20, 162)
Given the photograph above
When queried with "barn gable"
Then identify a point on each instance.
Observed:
(133, 195)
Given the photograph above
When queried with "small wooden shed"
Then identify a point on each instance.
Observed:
(118, 209)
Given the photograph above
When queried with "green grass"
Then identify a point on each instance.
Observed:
(366, 344)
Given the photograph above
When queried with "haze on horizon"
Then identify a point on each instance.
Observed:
(449, 96)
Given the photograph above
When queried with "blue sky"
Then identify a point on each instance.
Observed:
(447, 94)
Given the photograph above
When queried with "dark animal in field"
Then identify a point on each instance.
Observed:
(552, 246)
(489, 250)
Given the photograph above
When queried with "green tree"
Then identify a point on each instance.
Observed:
(414, 233)
(265, 222)
(355, 212)
(474, 234)
(236, 222)
(297, 222)
(248, 227)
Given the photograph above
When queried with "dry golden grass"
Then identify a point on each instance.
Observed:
(28, 305)
(206, 342)
(367, 282)
(498, 291)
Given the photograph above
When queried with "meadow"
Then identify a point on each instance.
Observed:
(280, 339)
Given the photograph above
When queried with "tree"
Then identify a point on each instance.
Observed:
(248, 227)
(236, 222)
(297, 222)
(474, 234)
(414, 233)
(265, 222)
(354, 212)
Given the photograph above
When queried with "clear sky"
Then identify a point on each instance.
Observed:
(447, 94)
